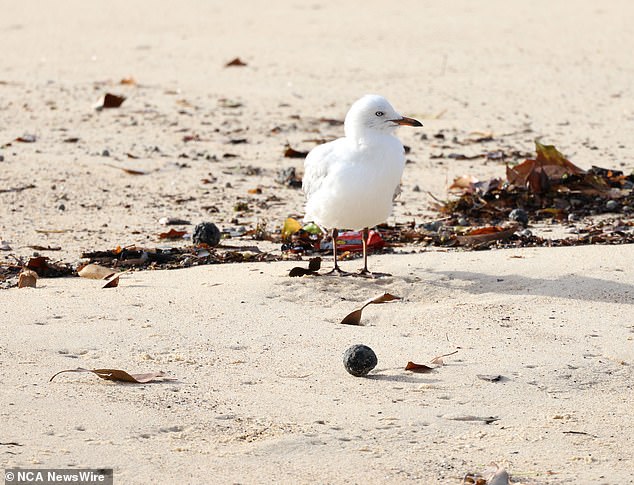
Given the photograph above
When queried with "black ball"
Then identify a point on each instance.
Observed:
(359, 360)
(206, 233)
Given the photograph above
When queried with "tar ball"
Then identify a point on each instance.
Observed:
(206, 233)
(359, 360)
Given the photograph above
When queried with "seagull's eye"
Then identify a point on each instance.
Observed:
(379, 113)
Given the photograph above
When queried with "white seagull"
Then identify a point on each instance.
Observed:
(351, 182)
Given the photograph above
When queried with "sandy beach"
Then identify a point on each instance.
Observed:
(541, 383)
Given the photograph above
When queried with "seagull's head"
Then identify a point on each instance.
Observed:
(374, 113)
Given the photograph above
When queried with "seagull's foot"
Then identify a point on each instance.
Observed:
(337, 271)
(364, 273)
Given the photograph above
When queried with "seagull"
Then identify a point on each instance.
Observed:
(351, 182)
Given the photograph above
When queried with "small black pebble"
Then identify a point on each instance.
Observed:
(105, 153)
(1, 158)
(359, 360)
(206, 233)
(519, 215)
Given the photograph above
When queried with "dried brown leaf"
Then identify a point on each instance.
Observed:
(113, 283)
(486, 234)
(418, 368)
(27, 279)
(237, 62)
(110, 101)
(354, 318)
(172, 234)
(119, 375)
(292, 153)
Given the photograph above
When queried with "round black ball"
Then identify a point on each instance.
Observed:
(206, 233)
(359, 360)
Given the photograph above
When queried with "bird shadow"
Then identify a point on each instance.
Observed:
(571, 286)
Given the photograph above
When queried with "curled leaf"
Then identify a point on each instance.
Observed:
(486, 234)
(237, 62)
(113, 283)
(27, 279)
(354, 318)
(95, 272)
(118, 375)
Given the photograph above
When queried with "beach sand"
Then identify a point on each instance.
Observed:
(260, 393)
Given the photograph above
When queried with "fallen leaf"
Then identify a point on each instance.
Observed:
(119, 375)
(257, 190)
(113, 283)
(130, 171)
(418, 368)
(27, 279)
(237, 62)
(486, 234)
(110, 101)
(128, 81)
(292, 153)
(172, 234)
(354, 318)
(95, 272)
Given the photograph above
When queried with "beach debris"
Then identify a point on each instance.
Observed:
(418, 368)
(489, 377)
(354, 318)
(27, 279)
(471, 418)
(290, 227)
(206, 233)
(486, 235)
(72, 139)
(95, 272)
(113, 283)
(17, 189)
(493, 476)
(439, 359)
(5, 246)
(130, 171)
(236, 62)
(292, 153)
(519, 215)
(547, 186)
(288, 177)
(314, 265)
(26, 138)
(110, 100)
(119, 375)
(128, 81)
(173, 221)
(44, 268)
(359, 360)
(172, 234)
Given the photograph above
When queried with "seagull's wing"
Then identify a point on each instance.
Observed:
(317, 165)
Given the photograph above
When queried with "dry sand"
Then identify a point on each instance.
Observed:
(261, 394)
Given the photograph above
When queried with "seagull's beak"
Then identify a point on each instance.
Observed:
(407, 121)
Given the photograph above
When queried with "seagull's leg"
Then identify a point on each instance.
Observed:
(364, 239)
(335, 235)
